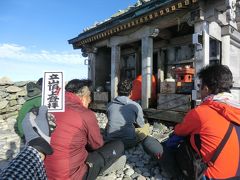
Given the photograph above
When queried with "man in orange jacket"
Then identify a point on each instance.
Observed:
(136, 94)
(207, 124)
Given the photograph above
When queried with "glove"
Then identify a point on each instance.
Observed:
(37, 130)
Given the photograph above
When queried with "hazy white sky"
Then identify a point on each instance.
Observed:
(34, 35)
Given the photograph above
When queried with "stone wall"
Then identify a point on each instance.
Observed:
(12, 97)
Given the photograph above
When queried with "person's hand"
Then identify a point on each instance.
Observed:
(37, 130)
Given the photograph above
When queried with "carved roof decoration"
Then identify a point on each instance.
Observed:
(142, 12)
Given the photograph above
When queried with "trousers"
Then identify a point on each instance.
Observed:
(102, 158)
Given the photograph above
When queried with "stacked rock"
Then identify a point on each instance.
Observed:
(11, 100)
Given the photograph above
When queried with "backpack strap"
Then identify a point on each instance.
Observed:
(221, 145)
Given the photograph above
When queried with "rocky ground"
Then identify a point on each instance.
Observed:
(139, 166)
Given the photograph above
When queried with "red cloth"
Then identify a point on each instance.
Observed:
(137, 88)
(76, 128)
(211, 120)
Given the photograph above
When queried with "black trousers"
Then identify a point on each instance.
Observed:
(98, 161)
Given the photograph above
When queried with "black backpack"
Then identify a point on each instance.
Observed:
(191, 163)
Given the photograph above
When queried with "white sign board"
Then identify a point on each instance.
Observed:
(53, 91)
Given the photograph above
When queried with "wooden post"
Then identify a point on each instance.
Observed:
(202, 55)
(147, 56)
(115, 70)
(91, 68)
(226, 46)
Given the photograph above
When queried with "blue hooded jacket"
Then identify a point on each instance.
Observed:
(123, 116)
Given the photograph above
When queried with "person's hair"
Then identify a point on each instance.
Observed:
(81, 87)
(124, 87)
(218, 78)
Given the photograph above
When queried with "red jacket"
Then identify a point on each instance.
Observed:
(137, 89)
(76, 128)
(211, 120)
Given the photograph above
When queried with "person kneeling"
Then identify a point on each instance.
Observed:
(125, 118)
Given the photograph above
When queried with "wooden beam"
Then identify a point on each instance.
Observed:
(170, 116)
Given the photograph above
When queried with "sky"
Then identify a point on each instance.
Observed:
(34, 35)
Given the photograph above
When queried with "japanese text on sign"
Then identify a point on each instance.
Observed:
(53, 91)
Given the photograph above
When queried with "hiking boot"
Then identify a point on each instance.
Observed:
(152, 147)
(117, 165)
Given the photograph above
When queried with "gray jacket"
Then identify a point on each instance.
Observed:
(123, 115)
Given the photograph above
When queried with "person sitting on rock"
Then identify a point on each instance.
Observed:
(209, 133)
(125, 118)
(28, 164)
(79, 149)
